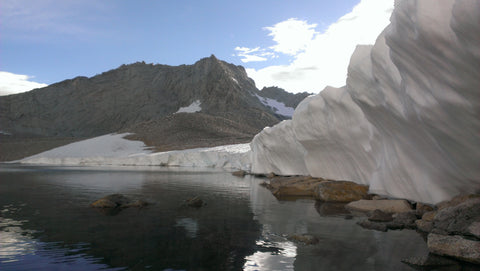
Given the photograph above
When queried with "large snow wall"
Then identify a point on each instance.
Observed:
(408, 120)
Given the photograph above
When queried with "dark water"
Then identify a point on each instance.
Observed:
(46, 224)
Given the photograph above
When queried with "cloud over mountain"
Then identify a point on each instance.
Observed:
(319, 58)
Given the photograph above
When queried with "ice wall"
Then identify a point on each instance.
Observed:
(408, 120)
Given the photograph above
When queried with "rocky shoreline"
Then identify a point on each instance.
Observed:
(451, 228)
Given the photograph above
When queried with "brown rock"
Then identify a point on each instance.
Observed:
(294, 186)
(239, 173)
(429, 216)
(387, 206)
(454, 246)
(103, 203)
(111, 201)
(423, 225)
(421, 209)
(340, 191)
(380, 216)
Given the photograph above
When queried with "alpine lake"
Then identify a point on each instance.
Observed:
(46, 223)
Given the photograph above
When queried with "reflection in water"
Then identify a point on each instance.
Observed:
(242, 226)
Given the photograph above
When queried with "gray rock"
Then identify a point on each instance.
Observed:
(454, 246)
(403, 220)
(458, 219)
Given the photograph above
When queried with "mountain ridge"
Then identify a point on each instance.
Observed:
(133, 96)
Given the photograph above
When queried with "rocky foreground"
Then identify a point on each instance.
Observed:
(451, 228)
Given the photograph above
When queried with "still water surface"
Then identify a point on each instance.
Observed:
(46, 224)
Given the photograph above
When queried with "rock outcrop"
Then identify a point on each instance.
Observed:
(407, 121)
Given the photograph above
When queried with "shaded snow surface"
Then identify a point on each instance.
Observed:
(192, 108)
(114, 149)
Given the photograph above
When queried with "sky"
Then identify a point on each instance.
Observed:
(300, 45)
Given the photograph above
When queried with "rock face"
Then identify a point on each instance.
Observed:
(206, 104)
(407, 121)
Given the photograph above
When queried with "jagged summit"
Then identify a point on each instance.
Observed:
(148, 99)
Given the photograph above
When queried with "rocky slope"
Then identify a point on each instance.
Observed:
(407, 121)
(171, 107)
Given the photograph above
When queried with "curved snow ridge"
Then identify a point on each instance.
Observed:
(407, 121)
(114, 149)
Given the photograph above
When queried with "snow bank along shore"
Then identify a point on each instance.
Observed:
(115, 150)
(407, 122)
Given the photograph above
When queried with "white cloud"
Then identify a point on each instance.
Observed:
(11, 83)
(253, 55)
(292, 36)
(321, 59)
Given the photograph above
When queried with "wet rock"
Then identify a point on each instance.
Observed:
(340, 191)
(239, 173)
(112, 201)
(194, 202)
(378, 226)
(138, 204)
(387, 206)
(294, 186)
(403, 220)
(458, 219)
(432, 262)
(306, 239)
(454, 246)
(380, 216)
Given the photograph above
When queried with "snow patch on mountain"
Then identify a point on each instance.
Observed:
(192, 108)
(277, 107)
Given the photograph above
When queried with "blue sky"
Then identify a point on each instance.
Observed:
(47, 41)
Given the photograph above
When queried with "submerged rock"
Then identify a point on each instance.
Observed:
(306, 239)
(117, 201)
(340, 191)
(371, 225)
(194, 202)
